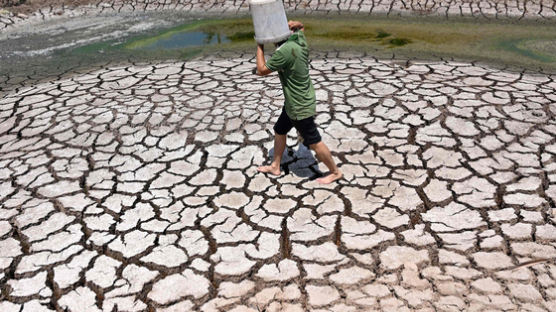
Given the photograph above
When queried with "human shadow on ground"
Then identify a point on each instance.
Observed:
(300, 161)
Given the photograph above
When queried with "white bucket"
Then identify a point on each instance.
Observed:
(269, 20)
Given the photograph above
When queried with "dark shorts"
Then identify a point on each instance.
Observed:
(306, 127)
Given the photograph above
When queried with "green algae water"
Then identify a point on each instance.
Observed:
(512, 44)
(188, 39)
(536, 49)
(524, 44)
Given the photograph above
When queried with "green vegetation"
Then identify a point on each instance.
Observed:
(242, 36)
(399, 41)
(382, 34)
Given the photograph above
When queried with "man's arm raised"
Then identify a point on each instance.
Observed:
(262, 70)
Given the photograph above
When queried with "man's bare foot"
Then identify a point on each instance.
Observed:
(269, 169)
(330, 178)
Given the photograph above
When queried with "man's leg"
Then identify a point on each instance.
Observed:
(311, 137)
(281, 128)
(323, 155)
(279, 147)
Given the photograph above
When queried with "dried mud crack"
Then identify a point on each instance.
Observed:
(134, 188)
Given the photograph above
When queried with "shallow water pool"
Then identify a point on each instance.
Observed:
(58, 47)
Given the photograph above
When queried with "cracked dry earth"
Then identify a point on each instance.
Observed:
(489, 9)
(134, 188)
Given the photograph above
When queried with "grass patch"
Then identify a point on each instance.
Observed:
(382, 34)
(242, 36)
(399, 41)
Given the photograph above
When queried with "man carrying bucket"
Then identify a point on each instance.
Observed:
(291, 60)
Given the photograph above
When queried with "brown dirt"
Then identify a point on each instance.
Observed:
(30, 6)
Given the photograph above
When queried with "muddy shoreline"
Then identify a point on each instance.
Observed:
(62, 23)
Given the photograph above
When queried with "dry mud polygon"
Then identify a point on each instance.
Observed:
(134, 188)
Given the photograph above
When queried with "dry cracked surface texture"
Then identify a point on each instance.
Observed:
(489, 9)
(134, 188)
